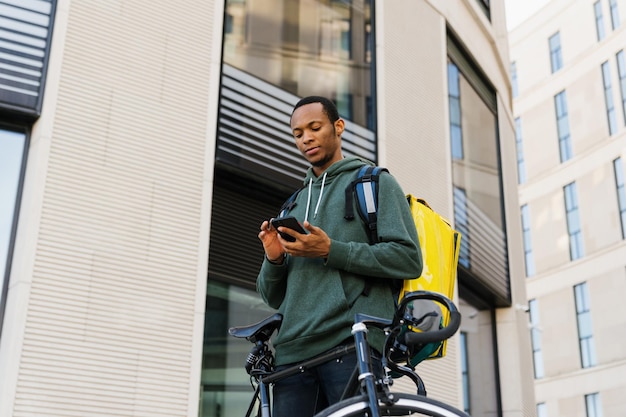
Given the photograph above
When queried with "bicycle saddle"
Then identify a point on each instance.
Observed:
(260, 331)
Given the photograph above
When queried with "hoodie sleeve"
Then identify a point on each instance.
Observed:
(397, 254)
(271, 283)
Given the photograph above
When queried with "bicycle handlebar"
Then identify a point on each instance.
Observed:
(418, 338)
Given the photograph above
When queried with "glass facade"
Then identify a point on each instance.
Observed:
(621, 71)
(573, 222)
(562, 124)
(608, 98)
(615, 21)
(597, 8)
(519, 146)
(585, 330)
(321, 47)
(12, 148)
(528, 247)
(620, 185)
(465, 372)
(514, 86)
(535, 338)
(476, 174)
(592, 405)
(274, 52)
(556, 59)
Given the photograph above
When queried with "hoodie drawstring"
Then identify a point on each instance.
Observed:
(319, 199)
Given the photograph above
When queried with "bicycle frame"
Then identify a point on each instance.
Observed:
(363, 377)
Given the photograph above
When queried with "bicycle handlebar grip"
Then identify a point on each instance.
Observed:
(419, 338)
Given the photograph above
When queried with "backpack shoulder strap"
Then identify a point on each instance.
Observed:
(289, 204)
(365, 188)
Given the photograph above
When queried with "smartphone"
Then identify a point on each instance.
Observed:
(289, 222)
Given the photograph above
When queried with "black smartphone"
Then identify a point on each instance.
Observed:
(289, 222)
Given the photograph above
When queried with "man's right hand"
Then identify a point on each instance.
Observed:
(274, 250)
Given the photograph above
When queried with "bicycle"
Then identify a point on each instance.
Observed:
(365, 395)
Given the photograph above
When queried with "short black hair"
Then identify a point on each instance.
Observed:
(329, 107)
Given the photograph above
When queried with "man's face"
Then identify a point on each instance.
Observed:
(317, 138)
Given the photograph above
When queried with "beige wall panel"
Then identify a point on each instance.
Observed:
(112, 316)
(413, 116)
(587, 111)
(540, 140)
(559, 334)
(609, 325)
(613, 402)
(550, 241)
(413, 101)
(600, 222)
(573, 406)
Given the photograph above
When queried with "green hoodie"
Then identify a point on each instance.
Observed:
(319, 297)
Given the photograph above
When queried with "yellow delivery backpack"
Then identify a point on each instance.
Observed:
(440, 245)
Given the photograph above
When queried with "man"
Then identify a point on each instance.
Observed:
(318, 281)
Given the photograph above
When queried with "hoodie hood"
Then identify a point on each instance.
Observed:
(346, 164)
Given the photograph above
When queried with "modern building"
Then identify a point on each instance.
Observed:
(143, 143)
(569, 84)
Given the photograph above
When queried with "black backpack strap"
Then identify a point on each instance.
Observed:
(365, 188)
(289, 204)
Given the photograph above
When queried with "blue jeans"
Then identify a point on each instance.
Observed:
(309, 392)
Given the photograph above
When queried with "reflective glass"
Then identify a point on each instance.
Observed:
(225, 385)
(305, 47)
(11, 156)
(597, 7)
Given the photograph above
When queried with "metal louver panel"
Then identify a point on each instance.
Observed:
(25, 34)
(483, 248)
(235, 252)
(254, 134)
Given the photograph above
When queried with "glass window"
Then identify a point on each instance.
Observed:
(528, 250)
(476, 171)
(272, 57)
(585, 331)
(521, 165)
(593, 406)
(461, 223)
(615, 23)
(336, 30)
(618, 168)
(12, 147)
(225, 387)
(621, 70)
(454, 100)
(556, 60)
(484, 4)
(542, 410)
(465, 372)
(562, 125)
(535, 338)
(608, 98)
(597, 7)
(573, 222)
(515, 89)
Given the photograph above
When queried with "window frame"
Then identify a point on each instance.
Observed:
(583, 320)
(535, 338)
(562, 124)
(519, 147)
(572, 215)
(599, 18)
(608, 98)
(620, 188)
(5, 274)
(556, 53)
